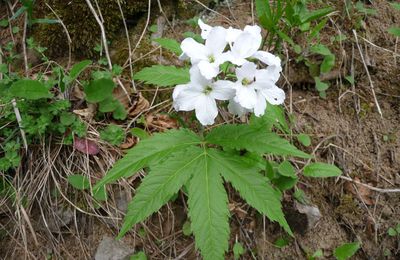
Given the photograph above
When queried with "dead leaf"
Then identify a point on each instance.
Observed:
(120, 95)
(161, 122)
(86, 146)
(129, 143)
(139, 104)
(87, 113)
(362, 192)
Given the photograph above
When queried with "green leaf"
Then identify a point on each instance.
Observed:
(208, 209)
(3, 23)
(252, 186)
(99, 89)
(163, 181)
(304, 139)
(396, 6)
(163, 76)
(114, 134)
(328, 63)
(108, 105)
(395, 31)
(392, 232)
(120, 112)
(273, 116)
(30, 89)
(285, 183)
(238, 250)
(287, 169)
(149, 151)
(100, 193)
(281, 242)
(321, 170)
(79, 182)
(139, 132)
(67, 118)
(346, 251)
(186, 229)
(138, 256)
(319, 85)
(45, 21)
(78, 68)
(320, 49)
(169, 44)
(252, 139)
(311, 16)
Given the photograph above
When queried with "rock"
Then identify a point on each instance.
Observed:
(62, 218)
(110, 249)
(302, 218)
(312, 212)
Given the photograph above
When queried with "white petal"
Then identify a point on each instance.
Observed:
(178, 89)
(236, 109)
(206, 110)
(245, 46)
(268, 58)
(223, 90)
(205, 29)
(216, 40)
(232, 34)
(247, 71)
(207, 69)
(261, 105)
(274, 95)
(196, 51)
(246, 96)
(187, 98)
(196, 78)
(275, 72)
(265, 78)
(255, 30)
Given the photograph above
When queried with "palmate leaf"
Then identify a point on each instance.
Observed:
(252, 139)
(163, 181)
(148, 151)
(208, 209)
(163, 76)
(252, 186)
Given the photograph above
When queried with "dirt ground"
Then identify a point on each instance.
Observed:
(357, 127)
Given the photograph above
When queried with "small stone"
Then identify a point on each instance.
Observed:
(110, 249)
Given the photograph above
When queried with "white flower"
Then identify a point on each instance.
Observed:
(205, 29)
(200, 94)
(231, 33)
(207, 56)
(245, 45)
(255, 87)
(236, 109)
(274, 63)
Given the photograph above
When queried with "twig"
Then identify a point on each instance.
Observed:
(13, 101)
(369, 76)
(369, 186)
(104, 40)
(129, 45)
(66, 32)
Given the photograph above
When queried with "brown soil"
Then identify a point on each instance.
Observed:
(346, 129)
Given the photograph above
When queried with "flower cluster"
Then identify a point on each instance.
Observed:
(251, 88)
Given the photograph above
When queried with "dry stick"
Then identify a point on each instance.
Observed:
(144, 30)
(369, 186)
(104, 40)
(66, 32)
(369, 76)
(129, 45)
(13, 101)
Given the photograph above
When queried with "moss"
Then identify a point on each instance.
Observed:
(81, 24)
